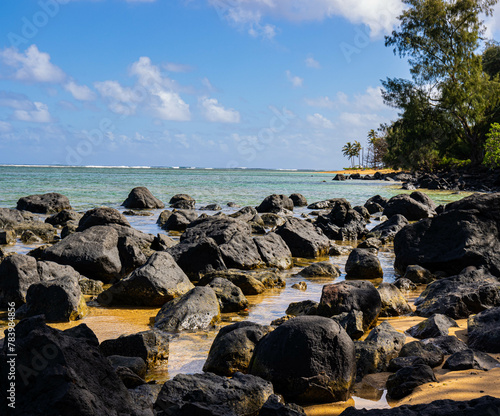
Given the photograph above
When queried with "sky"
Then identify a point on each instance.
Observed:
(279, 84)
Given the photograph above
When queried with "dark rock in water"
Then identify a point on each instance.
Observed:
(484, 406)
(245, 214)
(329, 203)
(17, 273)
(405, 284)
(298, 200)
(102, 216)
(232, 205)
(142, 198)
(382, 344)
(375, 204)
(484, 331)
(162, 242)
(466, 234)
(129, 378)
(44, 204)
(321, 269)
(251, 282)
(341, 222)
(135, 364)
(275, 203)
(231, 298)
(7, 237)
(388, 229)
(179, 220)
(370, 243)
(351, 321)
(9, 217)
(220, 229)
(300, 286)
(198, 309)
(212, 395)
(435, 326)
(69, 228)
(145, 397)
(241, 252)
(419, 275)
(211, 207)
(404, 381)
(274, 251)
(459, 296)
(90, 287)
(104, 252)
(198, 258)
(233, 348)
(303, 239)
(470, 359)
(430, 354)
(163, 218)
(271, 220)
(60, 300)
(393, 301)
(29, 237)
(151, 346)
(308, 359)
(401, 362)
(363, 264)
(275, 406)
(63, 217)
(363, 212)
(44, 232)
(340, 177)
(305, 307)
(138, 213)
(446, 344)
(413, 207)
(157, 282)
(347, 296)
(182, 201)
(64, 374)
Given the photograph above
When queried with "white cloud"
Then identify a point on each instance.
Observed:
(216, 113)
(173, 67)
(5, 127)
(32, 65)
(39, 114)
(360, 119)
(154, 92)
(319, 121)
(79, 92)
(312, 63)
(295, 80)
(379, 15)
(121, 100)
(322, 102)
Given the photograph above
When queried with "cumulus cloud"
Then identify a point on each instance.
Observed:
(79, 92)
(319, 121)
(153, 91)
(379, 15)
(39, 114)
(370, 99)
(173, 67)
(295, 80)
(312, 63)
(216, 113)
(31, 66)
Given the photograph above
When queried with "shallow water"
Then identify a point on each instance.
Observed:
(88, 188)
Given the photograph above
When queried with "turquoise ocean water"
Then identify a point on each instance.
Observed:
(87, 187)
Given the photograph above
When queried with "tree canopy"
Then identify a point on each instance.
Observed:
(448, 106)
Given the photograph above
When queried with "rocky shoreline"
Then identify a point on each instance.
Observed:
(464, 179)
(315, 354)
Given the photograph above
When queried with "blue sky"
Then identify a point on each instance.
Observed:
(207, 83)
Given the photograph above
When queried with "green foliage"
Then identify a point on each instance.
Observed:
(351, 150)
(448, 106)
(492, 147)
(491, 59)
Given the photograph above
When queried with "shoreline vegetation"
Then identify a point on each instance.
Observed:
(430, 331)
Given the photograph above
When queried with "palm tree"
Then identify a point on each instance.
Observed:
(347, 151)
(356, 150)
